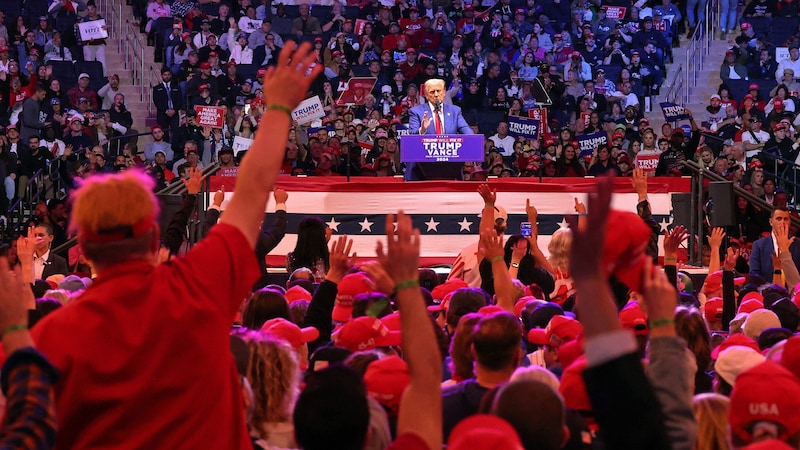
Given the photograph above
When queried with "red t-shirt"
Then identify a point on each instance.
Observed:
(144, 352)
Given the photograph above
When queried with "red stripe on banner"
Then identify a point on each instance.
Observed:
(660, 185)
(424, 261)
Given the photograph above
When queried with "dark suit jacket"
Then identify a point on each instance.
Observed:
(160, 98)
(55, 265)
(761, 257)
(454, 122)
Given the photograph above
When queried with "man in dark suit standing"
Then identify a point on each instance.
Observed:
(766, 247)
(435, 117)
(168, 100)
(46, 263)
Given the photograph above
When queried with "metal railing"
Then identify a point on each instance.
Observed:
(22, 209)
(698, 49)
(675, 86)
(786, 175)
(699, 175)
(112, 11)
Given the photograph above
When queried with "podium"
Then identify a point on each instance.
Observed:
(439, 156)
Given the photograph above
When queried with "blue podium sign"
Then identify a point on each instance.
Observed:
(441, 148)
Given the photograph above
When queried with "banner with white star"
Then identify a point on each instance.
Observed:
(446, 213)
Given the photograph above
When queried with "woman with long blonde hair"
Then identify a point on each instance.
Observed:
(711, 413)
(274, 375)
(560, 243)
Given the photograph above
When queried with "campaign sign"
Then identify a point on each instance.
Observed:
(539, 114)
(359, 28)
(590, 142)
(781, 53)
(228, 172)
(309, 110)
(441, 148)
(673, 112)
(402, 130)
(210, 116)
(240, 144)
(358, 88)
(93, 29)
(523, 126)
(614, 12)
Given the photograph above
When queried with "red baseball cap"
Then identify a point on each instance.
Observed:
(713, 281)
(778, 103)
(750, 305)
(734, 340)
(626, 240)
(386, 379)
(485, 432)
(349, 287)
(411, 50)
(712, 310)
(205, 65)
(296, 293)
(790, 356)
(767, 392)
(451, 285)
(365, 333)
(290, 332)
(562, 329)
(508, 36)
(632, 318)
(754, 294)
(203, 87)
(576, 54)
(261, 72)
(745, 26)
(753, 87)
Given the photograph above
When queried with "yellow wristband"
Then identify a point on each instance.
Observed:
(277, 107)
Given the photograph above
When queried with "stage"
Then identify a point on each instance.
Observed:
(446, 212)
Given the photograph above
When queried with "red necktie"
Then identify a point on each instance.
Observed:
(438, 122)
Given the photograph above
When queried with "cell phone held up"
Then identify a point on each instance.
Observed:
(525, 229)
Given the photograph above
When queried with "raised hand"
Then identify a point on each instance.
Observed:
(400, 258)
(383, 281)
(580, 208)
(488, 195)
(194, 182)
(782, 238)
(280, 196)
(659, 296)
(585, 261)
(730, 259)
(287, 83)
(531, 211)
(426, 121)
(491, 245)
(15, 298)
(715, 240)
(339, 259)
(672, 240)
(639, 182)
(219, 196)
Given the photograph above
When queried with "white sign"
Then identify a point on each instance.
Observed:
(781, 53)
(308, 110)
(241, 144)
(248, 25)
(94, 29)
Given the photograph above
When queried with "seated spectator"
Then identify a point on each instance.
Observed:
(731, 69)
(82, 90)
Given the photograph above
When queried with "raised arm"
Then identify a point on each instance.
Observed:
(285, 86)
(173, 236)
(715, 242)
(421, 405)
(786, 265)
(489, 198)
(492, 247)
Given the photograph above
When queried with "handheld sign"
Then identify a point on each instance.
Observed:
(210, 116)
(614, 12)
(240, 144)
(673, 112)
(590, 142)
(93, 29)
(441, 148)
(358, 88)
(309, 110)
(523, 126)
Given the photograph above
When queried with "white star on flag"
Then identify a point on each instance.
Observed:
(366, 225)
(664, 224)
(465, 225)
(563, 223)
(432, 225)
(333, 224)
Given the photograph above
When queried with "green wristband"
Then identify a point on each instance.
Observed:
(411, 283)
(13, 328)
(277, 107)
(495, 259)
(662, 322)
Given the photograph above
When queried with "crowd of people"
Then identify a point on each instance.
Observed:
(594, 346)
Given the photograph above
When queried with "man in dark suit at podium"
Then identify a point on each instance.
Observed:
(434, 117)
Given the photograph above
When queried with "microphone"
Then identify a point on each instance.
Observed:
(437, 105)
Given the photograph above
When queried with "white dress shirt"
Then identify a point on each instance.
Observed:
(39, 263)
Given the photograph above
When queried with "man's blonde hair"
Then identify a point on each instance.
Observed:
(121, 205)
